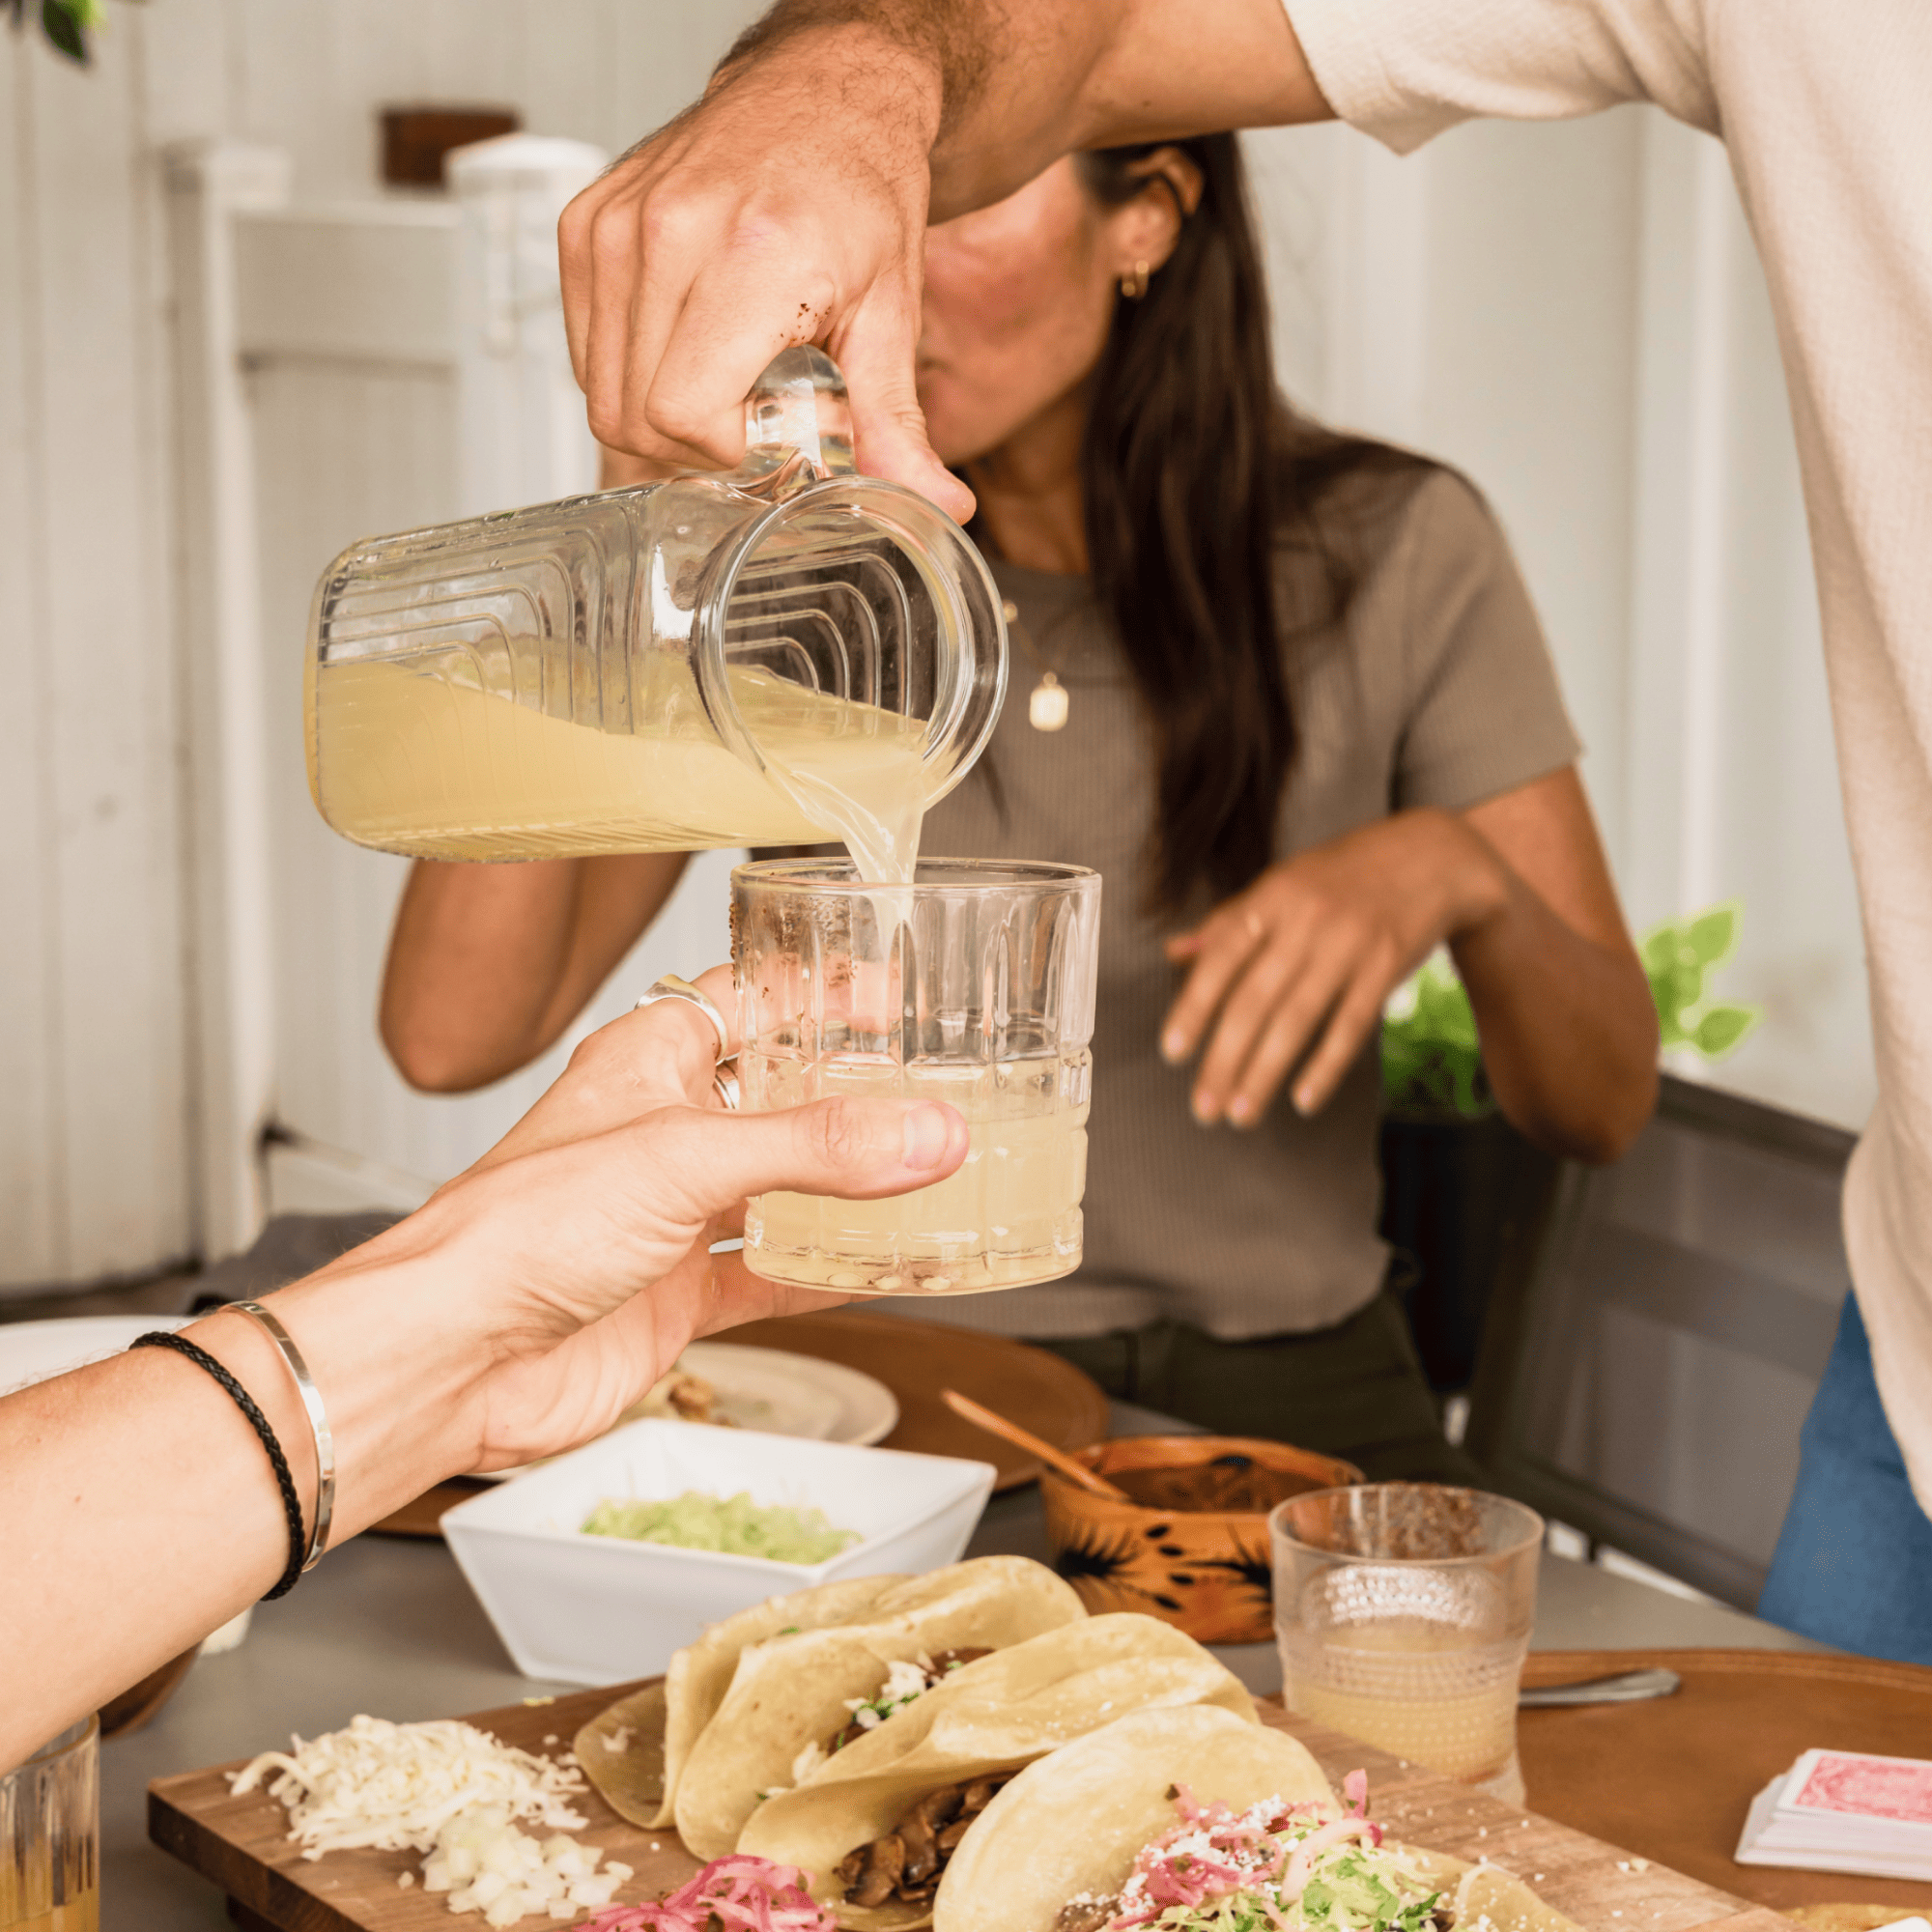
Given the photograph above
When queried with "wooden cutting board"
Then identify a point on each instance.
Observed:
(914, 1360)
(241, 1844)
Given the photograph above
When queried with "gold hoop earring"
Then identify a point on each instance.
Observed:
(1135, 286)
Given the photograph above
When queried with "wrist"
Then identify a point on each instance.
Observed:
(1476, 884)
(884, 71)
(398, 1369)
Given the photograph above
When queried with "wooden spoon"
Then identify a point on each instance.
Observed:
(1024, 1439)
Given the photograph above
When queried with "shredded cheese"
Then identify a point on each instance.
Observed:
(393, 1787)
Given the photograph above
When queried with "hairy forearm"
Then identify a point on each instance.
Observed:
(1005, 89)
(1567, 1028)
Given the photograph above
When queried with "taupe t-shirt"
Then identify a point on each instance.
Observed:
(1437, 691)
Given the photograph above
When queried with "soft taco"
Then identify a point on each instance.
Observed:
(737, 1707)
(875, 1824)
(1190, 1821)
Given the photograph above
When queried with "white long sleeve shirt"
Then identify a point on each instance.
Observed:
(1825, 111)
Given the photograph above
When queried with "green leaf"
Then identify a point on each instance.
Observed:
(1723, 1028)
(63, 28)
(1711, 934)
(1658, 948)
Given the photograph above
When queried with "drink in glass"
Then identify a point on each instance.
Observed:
(1404, 1612)
(51, 1837)
(972, 985)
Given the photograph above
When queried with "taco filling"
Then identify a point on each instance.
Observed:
(1272, 1867)
(908, 1679)
(908, 1863)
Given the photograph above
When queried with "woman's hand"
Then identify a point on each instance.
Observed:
(1294, 970)
(583, 1239)
(517, 1312)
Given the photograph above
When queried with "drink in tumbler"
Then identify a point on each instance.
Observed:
(51, 1837)
(974, 985)
(1404, 1611)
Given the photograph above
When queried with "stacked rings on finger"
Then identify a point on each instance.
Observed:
(723, 1083)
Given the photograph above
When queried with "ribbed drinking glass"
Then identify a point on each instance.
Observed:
(973, 985)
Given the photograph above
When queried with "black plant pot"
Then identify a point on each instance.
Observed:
(1461, 1201)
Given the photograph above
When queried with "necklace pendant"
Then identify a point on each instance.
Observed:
(1046, 706)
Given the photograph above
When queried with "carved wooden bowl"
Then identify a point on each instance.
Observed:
(1192, 1548)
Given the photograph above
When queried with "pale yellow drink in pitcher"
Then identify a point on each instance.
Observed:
(428, 762)
(1010, 1215)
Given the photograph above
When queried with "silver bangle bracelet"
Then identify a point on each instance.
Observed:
(317, 1422)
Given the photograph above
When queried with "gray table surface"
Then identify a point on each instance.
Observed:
(388, 1626)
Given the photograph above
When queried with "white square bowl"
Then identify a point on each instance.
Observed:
(593, 1610)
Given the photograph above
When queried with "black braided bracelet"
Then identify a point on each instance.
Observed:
(245, 1402)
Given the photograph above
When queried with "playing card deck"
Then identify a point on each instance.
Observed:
(1845, 1811)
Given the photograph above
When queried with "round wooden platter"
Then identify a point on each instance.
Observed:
(1672, 1778)
(916, 1360)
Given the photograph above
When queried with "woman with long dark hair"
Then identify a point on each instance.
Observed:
(1285, 690)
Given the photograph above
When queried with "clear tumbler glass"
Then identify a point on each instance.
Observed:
(973, 985)
(50, 1836)
(1404, 1612)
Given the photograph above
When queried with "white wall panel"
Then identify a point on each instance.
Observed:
(32, 1169)
(108, 1172)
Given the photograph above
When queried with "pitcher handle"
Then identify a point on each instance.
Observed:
(797, 423)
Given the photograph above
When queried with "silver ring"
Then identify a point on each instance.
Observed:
(671, 988)
(725, 1087)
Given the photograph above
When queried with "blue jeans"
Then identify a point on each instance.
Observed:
(1854, 1560)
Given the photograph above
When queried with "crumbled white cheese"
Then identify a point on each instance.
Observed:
(807, 1762)
(393, 1787)
(905, 1681)
(618, 1738)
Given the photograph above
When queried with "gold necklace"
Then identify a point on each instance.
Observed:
(1047, 702)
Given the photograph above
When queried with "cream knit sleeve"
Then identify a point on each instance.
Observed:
(1404, 70)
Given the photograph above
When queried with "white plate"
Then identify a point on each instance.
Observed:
(784, 1394)
(30, 1351)
(776, 1393)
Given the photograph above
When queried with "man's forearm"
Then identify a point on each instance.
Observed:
(1013, 87)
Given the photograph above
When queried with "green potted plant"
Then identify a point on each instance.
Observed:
(1460, 1187)
(66, 23)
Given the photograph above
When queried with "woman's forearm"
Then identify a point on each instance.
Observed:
(1568, 1028)
(516, 1314)
(162, 1498)
(488, 964)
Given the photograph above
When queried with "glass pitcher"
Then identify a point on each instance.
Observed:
(773, 656)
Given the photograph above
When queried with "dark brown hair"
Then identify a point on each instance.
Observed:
(1197, 475)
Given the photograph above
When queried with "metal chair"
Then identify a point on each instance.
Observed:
(1645, 1374)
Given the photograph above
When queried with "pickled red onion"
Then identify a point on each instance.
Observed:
(742, 1892)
